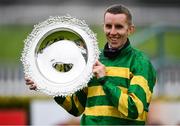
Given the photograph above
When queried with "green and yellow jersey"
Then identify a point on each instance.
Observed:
(121, 97)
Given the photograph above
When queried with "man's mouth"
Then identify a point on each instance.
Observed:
(113, 39)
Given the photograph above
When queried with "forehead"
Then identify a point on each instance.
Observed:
(115, 18)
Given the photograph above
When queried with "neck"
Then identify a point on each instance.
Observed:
(109, 46)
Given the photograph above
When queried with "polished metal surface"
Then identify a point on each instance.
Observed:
(59, 54)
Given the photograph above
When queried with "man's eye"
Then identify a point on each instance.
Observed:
(118, 26)
(108, 26)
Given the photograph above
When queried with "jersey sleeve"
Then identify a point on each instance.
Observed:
(74, 104)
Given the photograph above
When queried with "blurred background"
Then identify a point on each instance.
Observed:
(157, 34)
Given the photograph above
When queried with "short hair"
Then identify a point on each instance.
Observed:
(119, 9)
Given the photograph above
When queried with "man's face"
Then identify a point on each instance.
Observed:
(117, 29)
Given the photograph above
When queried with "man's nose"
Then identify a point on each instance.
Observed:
(113, 31)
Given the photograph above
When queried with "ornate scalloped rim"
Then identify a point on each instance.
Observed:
(37, 29)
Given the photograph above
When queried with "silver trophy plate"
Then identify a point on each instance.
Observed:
(59, 54)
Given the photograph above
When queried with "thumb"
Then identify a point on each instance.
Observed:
(98, 63)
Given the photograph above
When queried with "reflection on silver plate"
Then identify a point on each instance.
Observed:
(59, 55)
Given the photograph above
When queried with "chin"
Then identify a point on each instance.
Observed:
(115, 46)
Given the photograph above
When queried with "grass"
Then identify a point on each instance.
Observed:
(11, 41)
(12, 37)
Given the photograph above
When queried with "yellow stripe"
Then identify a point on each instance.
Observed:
(141, 81)
(110, 111)
(103, 111)
(143, 116)
(123, 89)
(67, 104)
(118, 71)
(95, 91)
(138, 103)
(123, 101)
(78, 104)
(123, 104)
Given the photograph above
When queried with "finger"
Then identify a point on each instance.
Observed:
(98, 63)
(95, 67)
(26, 79)
(32, 87)
(94, 70)
(29, 82)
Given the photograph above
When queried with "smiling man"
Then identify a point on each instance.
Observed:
(120, 91)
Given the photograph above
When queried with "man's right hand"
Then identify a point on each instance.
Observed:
(31, 84)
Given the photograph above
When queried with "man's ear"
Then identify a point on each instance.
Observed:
(131, 29)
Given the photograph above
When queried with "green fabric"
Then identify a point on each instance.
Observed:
(132, 109)
(102, 120)
(138, 64)
(59, 99)
(140, 94)
(100, 100)
(80, 95)
(113, 93)
(74, 111)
